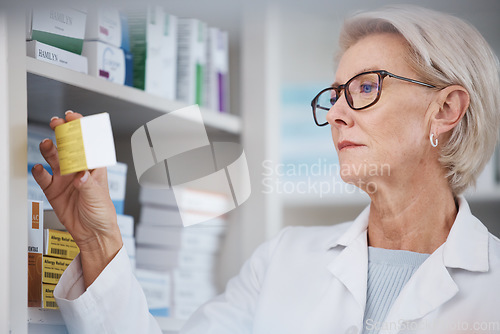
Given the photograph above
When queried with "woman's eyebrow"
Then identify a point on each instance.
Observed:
(367, 69)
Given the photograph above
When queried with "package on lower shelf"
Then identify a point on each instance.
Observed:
(59, 244)
(153, 43)
(109, 25)
(190, 239)
(49, 301)
(56, 56)
(37, 133)
(217, 78)
(155, 258)
(53, 268)
(63, 28)
(117, 181)
(35, 250)
(192, 61)
(157, 289)
(108, 62)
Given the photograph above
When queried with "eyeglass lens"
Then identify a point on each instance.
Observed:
(362, 90)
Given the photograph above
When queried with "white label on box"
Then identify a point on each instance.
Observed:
(35, 226)
(56, 56)
(65, 22)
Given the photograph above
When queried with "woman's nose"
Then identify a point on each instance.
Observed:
(340, 113)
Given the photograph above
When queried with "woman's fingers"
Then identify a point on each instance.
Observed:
(49, 153)
(41, 176)
(55, 121)
(70, 116)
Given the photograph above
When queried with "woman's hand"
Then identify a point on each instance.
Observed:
(82, 203)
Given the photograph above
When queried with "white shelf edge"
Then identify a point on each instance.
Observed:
(170, 324)
(301, 200)
(226, 122)
(40, 316)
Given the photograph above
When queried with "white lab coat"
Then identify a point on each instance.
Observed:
(312, 280)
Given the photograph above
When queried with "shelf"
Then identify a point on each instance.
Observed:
(42, 316)
(62, 89)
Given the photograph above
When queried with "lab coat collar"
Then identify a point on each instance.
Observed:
(466, 246)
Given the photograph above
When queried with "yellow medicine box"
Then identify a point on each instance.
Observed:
(85, 143)
(48, 296)
(53, 268)
(59, 244)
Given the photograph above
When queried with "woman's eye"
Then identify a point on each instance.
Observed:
(367, 88)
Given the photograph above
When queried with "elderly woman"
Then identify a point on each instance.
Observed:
(416, 90)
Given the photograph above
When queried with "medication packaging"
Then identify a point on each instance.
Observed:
(85, 143)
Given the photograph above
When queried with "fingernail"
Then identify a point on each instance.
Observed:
(46, 139)
(68, 112)
(53, 118)
(85, 177)
(37, 166)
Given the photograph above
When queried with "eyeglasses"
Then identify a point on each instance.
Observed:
(361, 91)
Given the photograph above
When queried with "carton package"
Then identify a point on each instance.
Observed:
(56, 56)
(85, 143)
(53, 268)
(157, 289)
(108, 25)
(48, 298)
(37, 133)
(59, 244)
(117, 179)
(153, 39)
(35, 250)
(217, 78)
(108, 62)
(63, 28)
(191, 61)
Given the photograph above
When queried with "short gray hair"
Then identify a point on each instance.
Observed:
(445, 50)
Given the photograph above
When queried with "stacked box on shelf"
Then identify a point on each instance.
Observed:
(217, 78)
(35, 250)
(191, 61)
(153, 40)
(107, 46)
(37, 133)
(55, 35)
(189, 254)
(117, 181)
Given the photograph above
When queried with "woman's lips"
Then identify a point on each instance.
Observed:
(345, 144)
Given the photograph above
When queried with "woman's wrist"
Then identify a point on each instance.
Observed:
(97, 253)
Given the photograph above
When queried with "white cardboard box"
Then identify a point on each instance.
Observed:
(192, 60)
(56, 56)
(105, 61)
(63, 28)
(108, 25)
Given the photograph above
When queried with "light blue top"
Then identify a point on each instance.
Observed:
(388, 271)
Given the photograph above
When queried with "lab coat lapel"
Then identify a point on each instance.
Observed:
(341, 307)
(432, 285)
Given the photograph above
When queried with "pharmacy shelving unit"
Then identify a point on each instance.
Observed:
(35, 91)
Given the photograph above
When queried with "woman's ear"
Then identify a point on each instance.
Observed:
(453, 101)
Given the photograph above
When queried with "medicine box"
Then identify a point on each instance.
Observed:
(108, 25)
(85, 143)
(35, 249)
(192, 60)
(63, 28)
(117, 179)
(108, 62)
(56, 56)
(59, 244)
